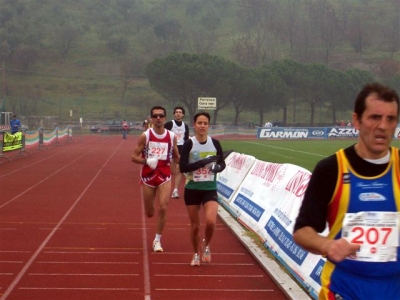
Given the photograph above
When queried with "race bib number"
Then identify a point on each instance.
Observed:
(203, 174)
(377, 233)
(158, 150)
(179, 137)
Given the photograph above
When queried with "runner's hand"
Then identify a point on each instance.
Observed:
(152, 162)
(205, 161)
(215, 168)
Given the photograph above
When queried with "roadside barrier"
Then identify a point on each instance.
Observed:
(37, 139)
(2, 148)
(23, 150)
(69, 134)
(41, 146)
(265, 197)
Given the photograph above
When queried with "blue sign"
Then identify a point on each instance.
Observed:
(248, 206)
(306, 132)
(224, 190)
(285, 241)
(316, 272)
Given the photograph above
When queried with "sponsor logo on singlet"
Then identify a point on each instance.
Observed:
(371, 197)
(346, 178)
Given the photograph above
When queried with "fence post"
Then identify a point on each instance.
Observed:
(57, 141)
(69, 130)
(23, 150)
(41, 145)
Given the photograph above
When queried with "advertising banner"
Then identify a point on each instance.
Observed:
(342, 132)
(282, 133)
(267, 201)
(12, 141)
(309, 132)
(237, 167)
(268, 188)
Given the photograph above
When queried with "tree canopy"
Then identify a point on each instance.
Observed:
(184, 77)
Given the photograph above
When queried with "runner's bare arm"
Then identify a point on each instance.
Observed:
(137, 152)
(336, 250)
(175, 153)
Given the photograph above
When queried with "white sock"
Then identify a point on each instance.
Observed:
(158, 237)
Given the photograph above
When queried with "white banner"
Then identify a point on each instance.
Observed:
(266, 198)
(237, 167)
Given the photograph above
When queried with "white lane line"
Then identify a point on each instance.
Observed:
(146, 267)
(87, 228)
(46, 240)
(88, 252)
(221, 275)
(14, 251)
(98, 228)
(214, 264)
(54, 173)
(78, 274)
(90, 262)
(92, 248)
(48, 228)
(136, 228)
(220, 290)
(79, 289)
(11, 261)
(35, 163)
(280, 154)
(214, 253)
(287, 149)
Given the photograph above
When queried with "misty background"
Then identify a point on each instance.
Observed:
(299, 62)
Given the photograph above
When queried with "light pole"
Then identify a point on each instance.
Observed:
(3, 81)
(4, 52)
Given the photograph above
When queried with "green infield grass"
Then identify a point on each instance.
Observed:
(303, 153)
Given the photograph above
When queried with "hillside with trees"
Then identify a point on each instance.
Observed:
(295, 60)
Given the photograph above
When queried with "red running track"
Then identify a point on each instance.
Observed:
(72, 226)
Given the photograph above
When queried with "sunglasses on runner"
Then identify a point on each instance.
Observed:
(155, 116)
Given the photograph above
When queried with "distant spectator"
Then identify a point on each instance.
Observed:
(349, 124)
(268, 124)
(342, 124)
(14, 124)
(125, 129)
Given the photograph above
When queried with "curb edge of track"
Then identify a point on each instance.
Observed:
(282, 279)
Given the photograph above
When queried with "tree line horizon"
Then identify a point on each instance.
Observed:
(86, 56)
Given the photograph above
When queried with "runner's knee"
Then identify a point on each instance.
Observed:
(150, 214)
(195, 228)
(162, 211)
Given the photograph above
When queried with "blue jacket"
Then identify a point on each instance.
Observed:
(14, 123)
